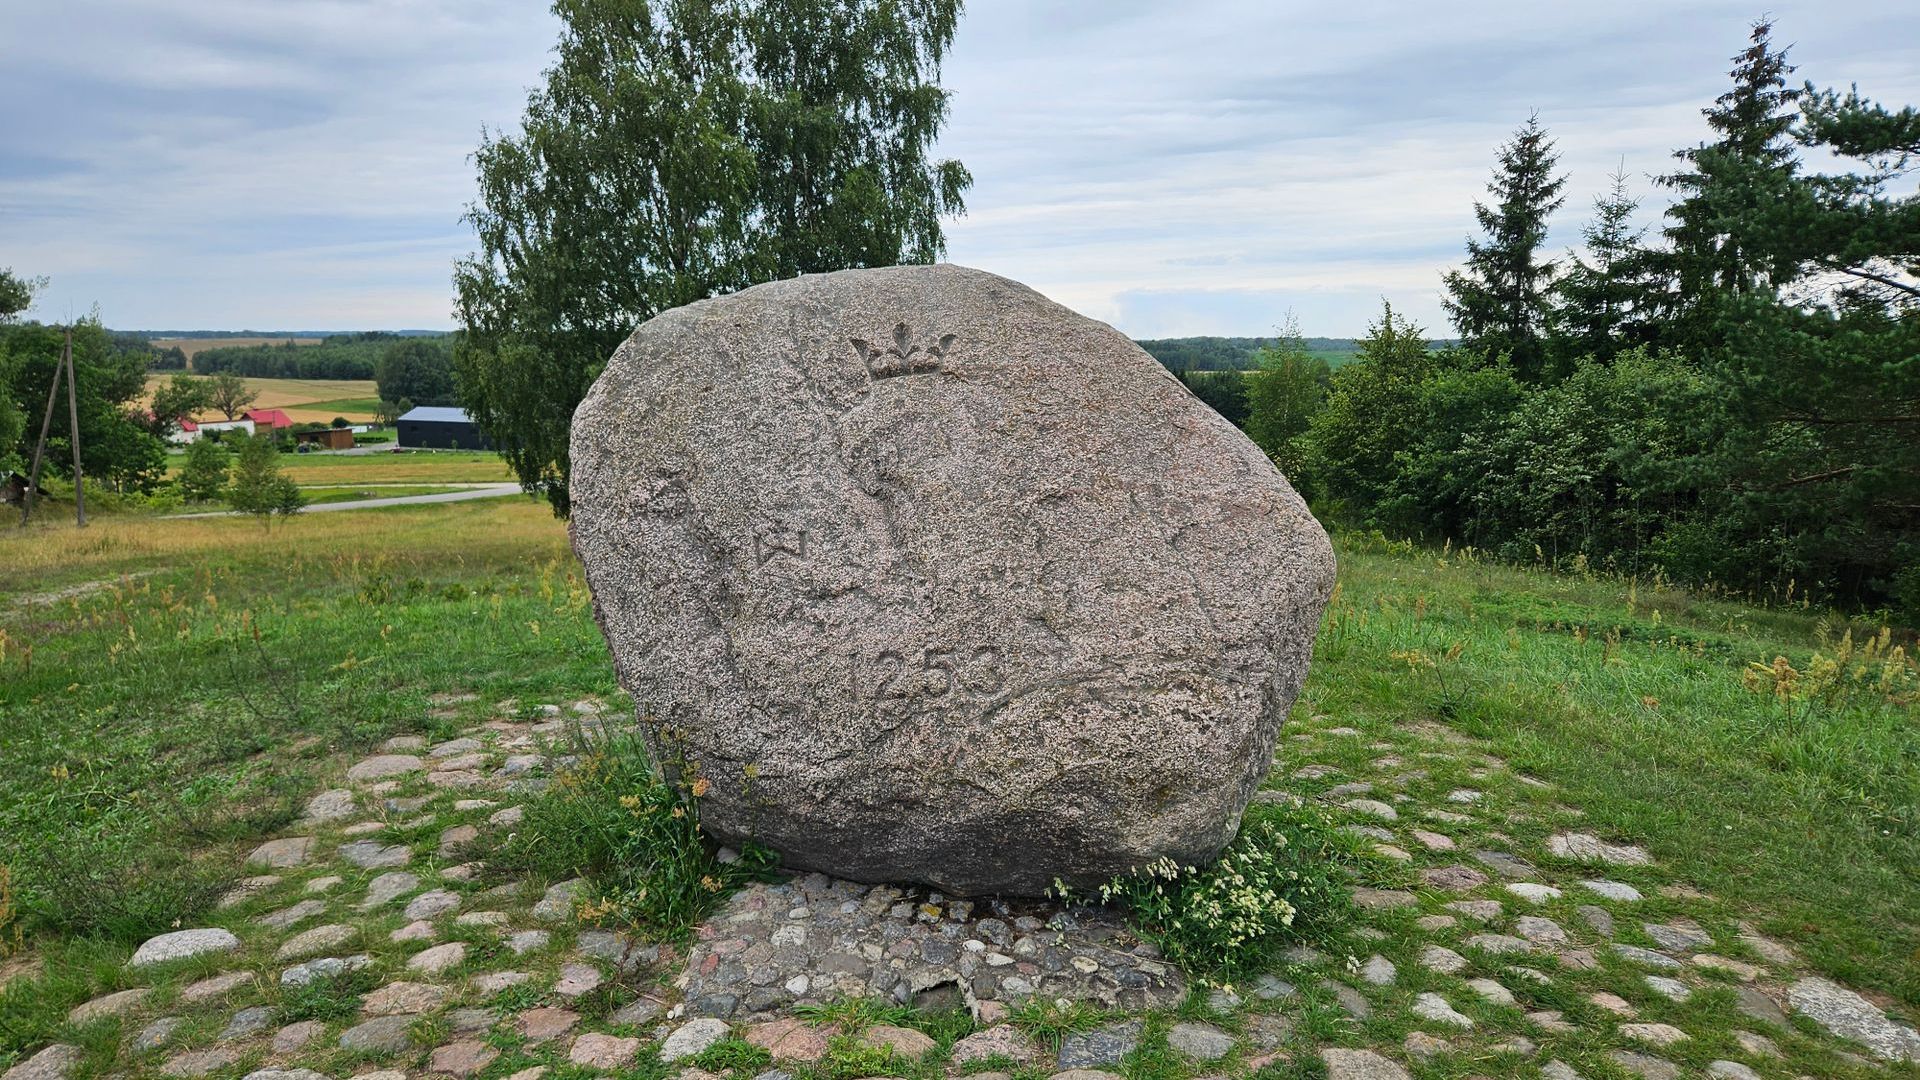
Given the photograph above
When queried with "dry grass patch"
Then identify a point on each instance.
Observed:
(53, 554)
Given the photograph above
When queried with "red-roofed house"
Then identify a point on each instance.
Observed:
(191, 430)
(272, 419)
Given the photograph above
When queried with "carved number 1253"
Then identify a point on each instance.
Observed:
(932, 672)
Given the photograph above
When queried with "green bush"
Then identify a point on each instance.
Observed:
(613, 820)
(125, 880)
(1279, 882)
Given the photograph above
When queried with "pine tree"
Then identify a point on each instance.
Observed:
(1498, 302)
(1594, 313)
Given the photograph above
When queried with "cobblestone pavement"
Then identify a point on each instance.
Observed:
(1502, 936)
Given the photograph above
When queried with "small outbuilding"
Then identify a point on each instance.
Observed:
(338, 438)
(440, 427)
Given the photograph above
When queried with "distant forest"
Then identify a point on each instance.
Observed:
(336, 356)
(1237, 353)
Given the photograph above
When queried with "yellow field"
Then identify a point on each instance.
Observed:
(296, 396)
(193, 346)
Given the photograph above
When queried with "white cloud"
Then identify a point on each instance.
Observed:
(1190, 168)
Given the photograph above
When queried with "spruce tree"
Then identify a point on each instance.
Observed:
(1723, 227)
(1498, 302)
(1594, 313)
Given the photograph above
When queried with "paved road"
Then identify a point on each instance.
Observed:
(481, 491)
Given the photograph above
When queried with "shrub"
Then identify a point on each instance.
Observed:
(122, 881)
(205, 471)
(1278, 882)
(614, 821)
(258, 487)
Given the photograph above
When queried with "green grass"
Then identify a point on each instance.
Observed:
(617, 823)
(1630, 698)
(158, 724)
(316, 495)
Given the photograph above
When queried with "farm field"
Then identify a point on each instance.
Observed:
(195, 346)
(318, 400)
(258, 663)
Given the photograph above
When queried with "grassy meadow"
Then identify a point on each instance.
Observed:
(170, 689)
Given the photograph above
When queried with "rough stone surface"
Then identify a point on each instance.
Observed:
(282, 854)
(373, 855)
(462, 1058)
(53, 1063)
(940, 581)
(1657, 1034)
(120, 1004)
(545, 1024)
(403, 999)
(1585, 847)
(247, 1022)
(1003, 1040)
(1201, 1042)
(690, 1038)
(854, 940)
(327, 967)
(439, 958)
(597, 1051)
(381, 1035)
(389, 887)
(317, 940)
(1360, 1065)
(1100, 1047)
(1435, 1008)
(296, 1036)
(1645, 1066)
(384, 766)
(182, 944)
(1850, 1016)
(432, 905)
(216, 986)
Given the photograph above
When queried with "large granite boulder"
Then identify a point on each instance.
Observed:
(915, 575)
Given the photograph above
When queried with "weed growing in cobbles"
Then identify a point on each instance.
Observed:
(613, 819)
(1278, 883)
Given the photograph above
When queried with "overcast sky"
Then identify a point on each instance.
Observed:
(1175, 168)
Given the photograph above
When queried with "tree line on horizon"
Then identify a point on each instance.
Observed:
(1733, 400)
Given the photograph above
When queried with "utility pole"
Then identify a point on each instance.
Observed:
(40, 447)
(73, 428)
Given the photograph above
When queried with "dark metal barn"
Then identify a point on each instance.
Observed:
(440, 427)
